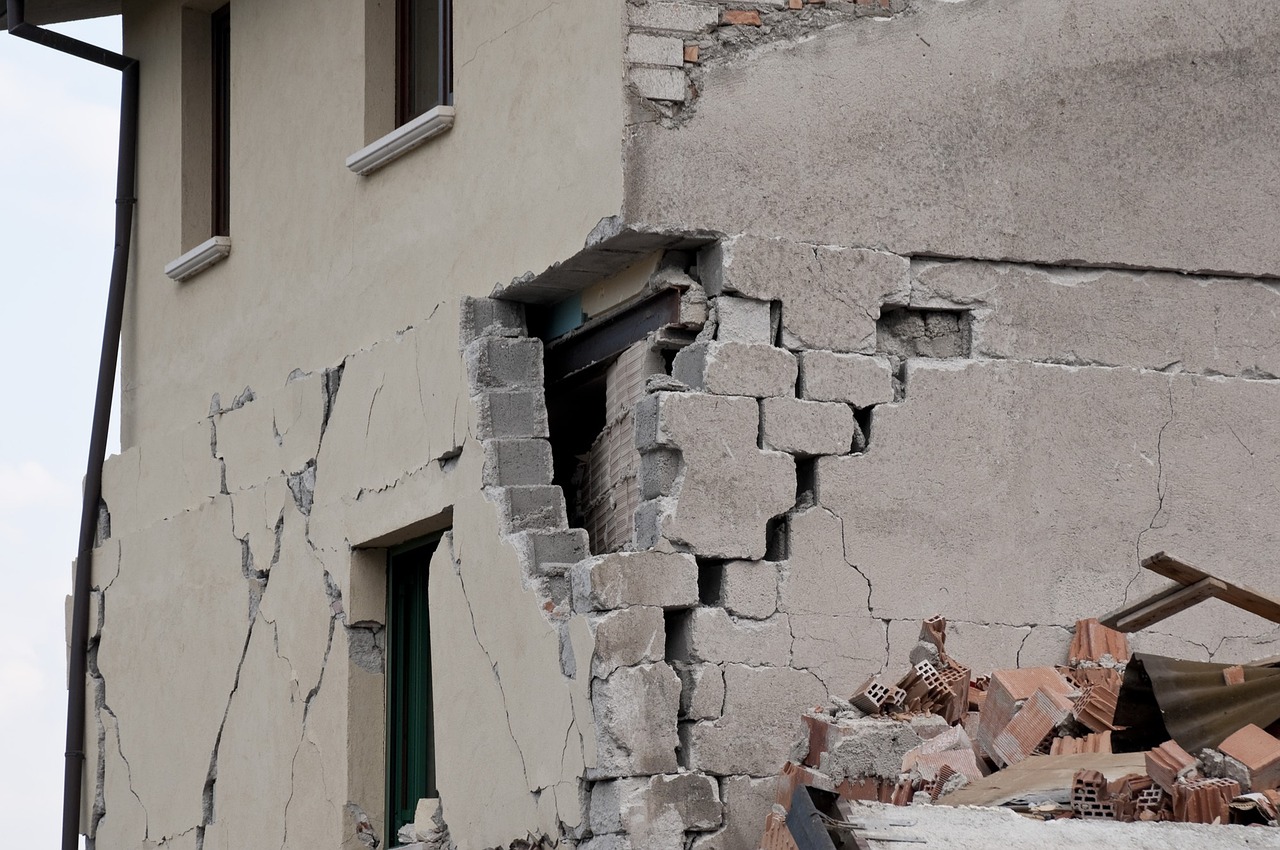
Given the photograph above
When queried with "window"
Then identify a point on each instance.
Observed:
(220, 120)
(411, 769)
(206, 141)
(424, 57)
(408, 79)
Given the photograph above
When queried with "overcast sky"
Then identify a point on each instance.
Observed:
(58, 128)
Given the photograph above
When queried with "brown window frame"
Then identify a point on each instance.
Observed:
(220, 126)
(408, 53)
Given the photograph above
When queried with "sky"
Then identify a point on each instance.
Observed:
(58, 139)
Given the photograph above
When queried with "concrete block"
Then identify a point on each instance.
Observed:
(646, 49)
(816, 577)
(856, 379)
(750, 588)
(635, 716)
(831, 297)
(806, 428)
(551, 552)
(659, 473)
(647, 808)
(675, 17)
(482, 317)
(843, 651)
(501, 363)
(1146, 320)
(626, 637)
(659, 83)
(729, 488)
(760, 725)
(747, 802)
(869, 746)
(711, 634)
(516, 462)
(744, 320)
(516, 414)
(736, 368)
(622, 579)
(531, 508)
(701, 691)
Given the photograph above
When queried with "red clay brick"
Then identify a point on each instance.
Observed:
(741, 17)
(1257, 751)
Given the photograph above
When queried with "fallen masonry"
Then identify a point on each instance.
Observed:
(1106, 737)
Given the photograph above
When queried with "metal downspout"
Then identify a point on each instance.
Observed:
(126, 169)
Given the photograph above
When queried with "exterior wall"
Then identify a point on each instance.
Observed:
(841, 462)
(294, 410)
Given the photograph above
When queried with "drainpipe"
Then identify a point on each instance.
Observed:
(125, 202)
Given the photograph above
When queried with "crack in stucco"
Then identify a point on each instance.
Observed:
(1161, 491)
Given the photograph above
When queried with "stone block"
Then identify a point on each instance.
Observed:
(531, 508)
(701, 691)
(551, 552)
(626, 637)
(517, 414)
(502, 363)
(711, 634)
(806, 428)
(831, 297)
(659, 83)
(750, 588)
(744, 320)
(622, 579)
(674, 17)
(510, 463)
(841, 650)
(747, 802)
(483, 317)
(736, 368)
(635, 716)
(650, 806)
(646, 49)
(856, 379)
(760, 725)
(729, 488)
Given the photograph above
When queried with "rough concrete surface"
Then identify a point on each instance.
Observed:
(1054, 134)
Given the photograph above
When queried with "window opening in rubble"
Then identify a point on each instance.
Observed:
(710, 582)
(595, 374)
(411, 768)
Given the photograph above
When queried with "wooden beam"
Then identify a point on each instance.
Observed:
(1163, 605)
(1246, 598)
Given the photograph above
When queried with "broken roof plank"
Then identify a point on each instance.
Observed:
(1193, 586)
(1040, 774)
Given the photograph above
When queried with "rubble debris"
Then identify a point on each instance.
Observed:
(1045, 742)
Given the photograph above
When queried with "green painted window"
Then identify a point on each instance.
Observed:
(411, 767)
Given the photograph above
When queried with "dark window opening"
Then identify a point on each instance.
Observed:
(411, 767)
(424, 57)
(220, 44)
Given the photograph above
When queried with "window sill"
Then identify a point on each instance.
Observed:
(199, 258)
(401, 140)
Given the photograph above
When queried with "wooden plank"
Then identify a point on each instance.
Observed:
(1246, 598)
(1165, 605)
(1042, 774)
(1121, 613)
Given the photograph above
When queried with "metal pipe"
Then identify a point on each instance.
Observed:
(126, 172)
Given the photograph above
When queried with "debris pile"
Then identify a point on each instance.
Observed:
(1106, 736)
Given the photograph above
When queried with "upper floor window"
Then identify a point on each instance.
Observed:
(424, 57)
(220, 119)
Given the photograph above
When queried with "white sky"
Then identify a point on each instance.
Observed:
(58, 128)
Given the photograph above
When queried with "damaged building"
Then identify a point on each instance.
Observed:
(532, 409)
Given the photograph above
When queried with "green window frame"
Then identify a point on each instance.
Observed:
(411, 768)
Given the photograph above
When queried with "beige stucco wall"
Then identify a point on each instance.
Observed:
(236, 689)
(325, 262)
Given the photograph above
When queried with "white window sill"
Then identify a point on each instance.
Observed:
(401, 140)
(199, 258)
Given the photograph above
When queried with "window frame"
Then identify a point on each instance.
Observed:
(220, 121)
